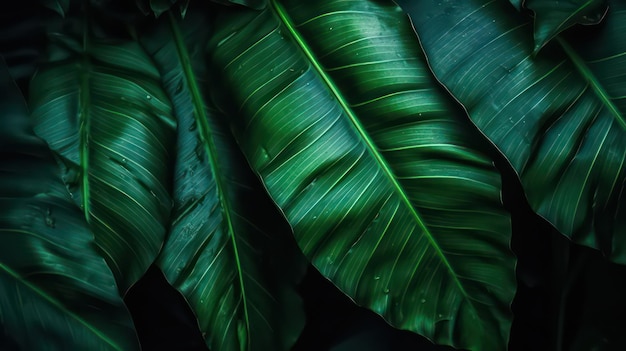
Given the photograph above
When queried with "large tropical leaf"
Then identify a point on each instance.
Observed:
(558, 117)
(235, 267)
(386, 189)
(101, 108)
(56, 291)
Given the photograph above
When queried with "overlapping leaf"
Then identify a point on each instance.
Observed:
(101, 108)
(228, 250)
(559, 117)
(387, 190)
(554, 16)
(56, 292)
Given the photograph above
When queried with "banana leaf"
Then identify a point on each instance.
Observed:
(100, 106)
(228, 250)
(56, 291)
(559, 116)
(389, 191)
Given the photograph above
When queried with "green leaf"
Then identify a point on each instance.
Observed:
(101, 108)
(235, 267)
(557, 117)
(56, 292)
(386, 187)
(554, 16)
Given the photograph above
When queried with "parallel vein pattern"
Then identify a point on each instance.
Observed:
(100, 107)
(559, 118)
(56, 292)
(223, 252)
(386, 189)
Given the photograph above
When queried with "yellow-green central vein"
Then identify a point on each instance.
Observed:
(588, 75)
(288, 23)
(204, 129)
(84, 123)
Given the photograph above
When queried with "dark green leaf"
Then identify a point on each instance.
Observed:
(101, 108)
(385, 186)
(558, 117)
(237, 272)
(554, 16)
(56, 292)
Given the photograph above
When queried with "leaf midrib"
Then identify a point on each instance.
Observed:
(204, 129)
(592, 80)
(371, 146)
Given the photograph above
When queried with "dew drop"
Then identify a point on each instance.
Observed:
(376, 278)
(386, 291)
(423, 300)
(440, 315)
(331, 28)
(148, 97)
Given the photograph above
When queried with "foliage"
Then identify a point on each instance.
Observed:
(230, 143)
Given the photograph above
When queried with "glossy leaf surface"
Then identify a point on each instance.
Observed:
(385, 186)
(56, 291)
(101, 108)
(558, 117)
(228, 248)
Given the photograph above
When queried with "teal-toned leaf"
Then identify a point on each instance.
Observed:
(228, 251)
(386, 187)
(56, 292)
(554, 16)
(101, 108)
(519, 4)
(557, 117)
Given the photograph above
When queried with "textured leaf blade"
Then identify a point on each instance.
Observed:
(552, 16)
(57, 291)
(558, 117)
(237, 268)
(384, 186)
(101, 108)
